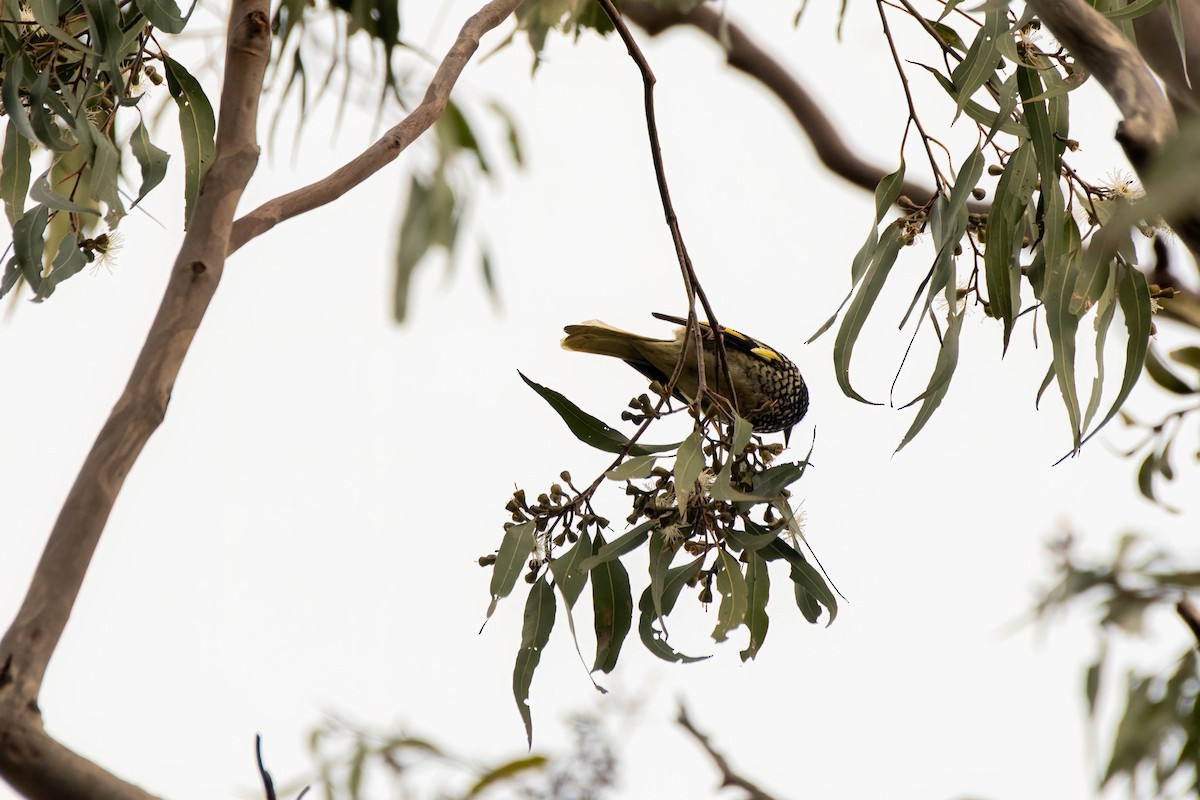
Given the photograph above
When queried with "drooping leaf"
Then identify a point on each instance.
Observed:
(1005, 236)
(633, 469)
(504, 772)
(44, 194)
(886, 194)
(626, 542)
(47, 130)
(28, 243)
(104, 22)
(68, 261)
(653, 638)
(939, 381)
(151, 159)
(535, 633)
(758, 591)
(612, 604)
(979, 65)
(569, 574)
(590, 430)
(106, 171)
(1133, 294)
(515, 548)
(688, 465)
(431, 217)
(806, 579)
(860, 307)
(14, 172)
(165, 15)
(1106, 307)
(661, 554)
(735, 595)
(1161, 374)
(751, 540)
(197, 128)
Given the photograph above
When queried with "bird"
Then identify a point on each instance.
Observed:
(770, 391)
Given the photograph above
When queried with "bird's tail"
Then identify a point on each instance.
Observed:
(602, 339)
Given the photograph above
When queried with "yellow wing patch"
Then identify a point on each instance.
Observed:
(766, 353)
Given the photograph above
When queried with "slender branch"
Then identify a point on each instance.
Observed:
(729, 778)
(389, 146)
(912, 109)
(744, 54)
(691, 281)
(30, 759)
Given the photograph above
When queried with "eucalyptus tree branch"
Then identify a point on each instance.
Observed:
(390, 145)
(729, 778)
(32, 761)
(744, 54)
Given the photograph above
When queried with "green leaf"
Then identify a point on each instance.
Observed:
(1188, 356)
(612, 604)
(1005, 236)
(197, 128)
(106, 171)
(742, 431)
(68, 261)
(430, 221)
(722, 488)
(770, 483)
(14, 172)
(164, 14)
(29, 241)
(503, 772)
(569, 574)
(993, 119)
(590, 430)
(454, 133)
(1161, 374)
(1133, 294)
(535, 633)
(18, 71)
(808, 582)
(48, 132)
(515, 548)
(939, 381)
(654, 639)
(758, 591)
(735, 596)
(886, 194)
(688, 465)
(42, 193)
(752, 540)
(628, 541)
(1106, 307)
(151, 159)
(661, 555)
(979, 65)
(860, 307)
(632, 469)
(104, 22)
(12, 274)
(1180, 36)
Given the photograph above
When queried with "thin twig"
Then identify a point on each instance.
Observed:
(912, 109)
(691, 281)
(745, 55)
(729, 778)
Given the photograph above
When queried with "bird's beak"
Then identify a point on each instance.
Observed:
(787, 437)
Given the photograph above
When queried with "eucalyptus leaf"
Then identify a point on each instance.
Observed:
(14, 172)
(612, 605)
(151, 159)
(197, 129)
(535, 633)
(590, 430)
(758, 592)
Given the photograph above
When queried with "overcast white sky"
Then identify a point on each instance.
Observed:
(300, 536)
